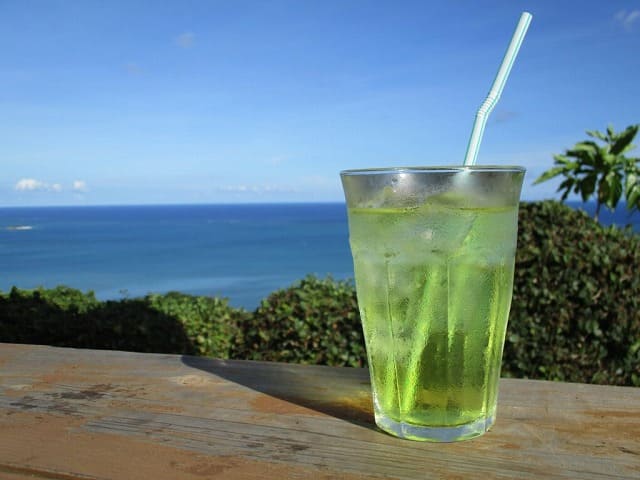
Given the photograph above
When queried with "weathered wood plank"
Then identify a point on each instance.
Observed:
(85, 414)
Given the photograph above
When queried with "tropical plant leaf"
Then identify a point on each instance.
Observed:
(561, 159)
(633, 198)
(567, 184)
(610, 159)
(628, 148)
(552, 172)
(586, 156)
(630, 183)
(597, 134)
(588, 186)
(623, 140)
(630, 165)
(566, 187)
(587, 146)
(611, 186)
(603, 170)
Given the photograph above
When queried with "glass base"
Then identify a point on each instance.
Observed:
(435, 434)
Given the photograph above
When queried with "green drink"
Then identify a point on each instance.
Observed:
(434, 275)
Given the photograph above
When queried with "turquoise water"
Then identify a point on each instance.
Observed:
(242, 252)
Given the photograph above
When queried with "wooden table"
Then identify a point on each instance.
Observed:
(70, 414)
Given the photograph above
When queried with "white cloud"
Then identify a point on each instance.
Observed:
(80, 186)
(29, 185)
(627, 19)
(33, 185)
(185, 40)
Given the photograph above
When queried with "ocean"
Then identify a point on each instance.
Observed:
(241, 252)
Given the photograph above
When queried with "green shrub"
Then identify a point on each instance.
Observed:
(66, 317)
(66, 299)
(171, 323)
(575, 314)
(210, 323)
(314, 321)
(54, 316)
(134, 325)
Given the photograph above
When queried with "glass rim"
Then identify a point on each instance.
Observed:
(434, 169)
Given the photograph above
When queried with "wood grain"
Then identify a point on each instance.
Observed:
(86, 414)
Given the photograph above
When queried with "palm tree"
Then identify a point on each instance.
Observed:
(590, 168)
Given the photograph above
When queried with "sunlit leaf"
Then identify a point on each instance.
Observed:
(553, 172)
(613, 189)
(633, 198)
(596, 134)
(630, 182)
(610, 159)
(561, 159)
(587, 146)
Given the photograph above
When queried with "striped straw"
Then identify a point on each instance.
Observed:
(496, 89)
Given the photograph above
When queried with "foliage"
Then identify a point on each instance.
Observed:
(50, 316)
(575, 314)
(209, 322)
(605, 170)
(314, 321)
(171, 323)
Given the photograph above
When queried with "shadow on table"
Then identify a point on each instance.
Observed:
(343, 393)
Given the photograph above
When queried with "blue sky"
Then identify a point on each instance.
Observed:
(138, 102)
